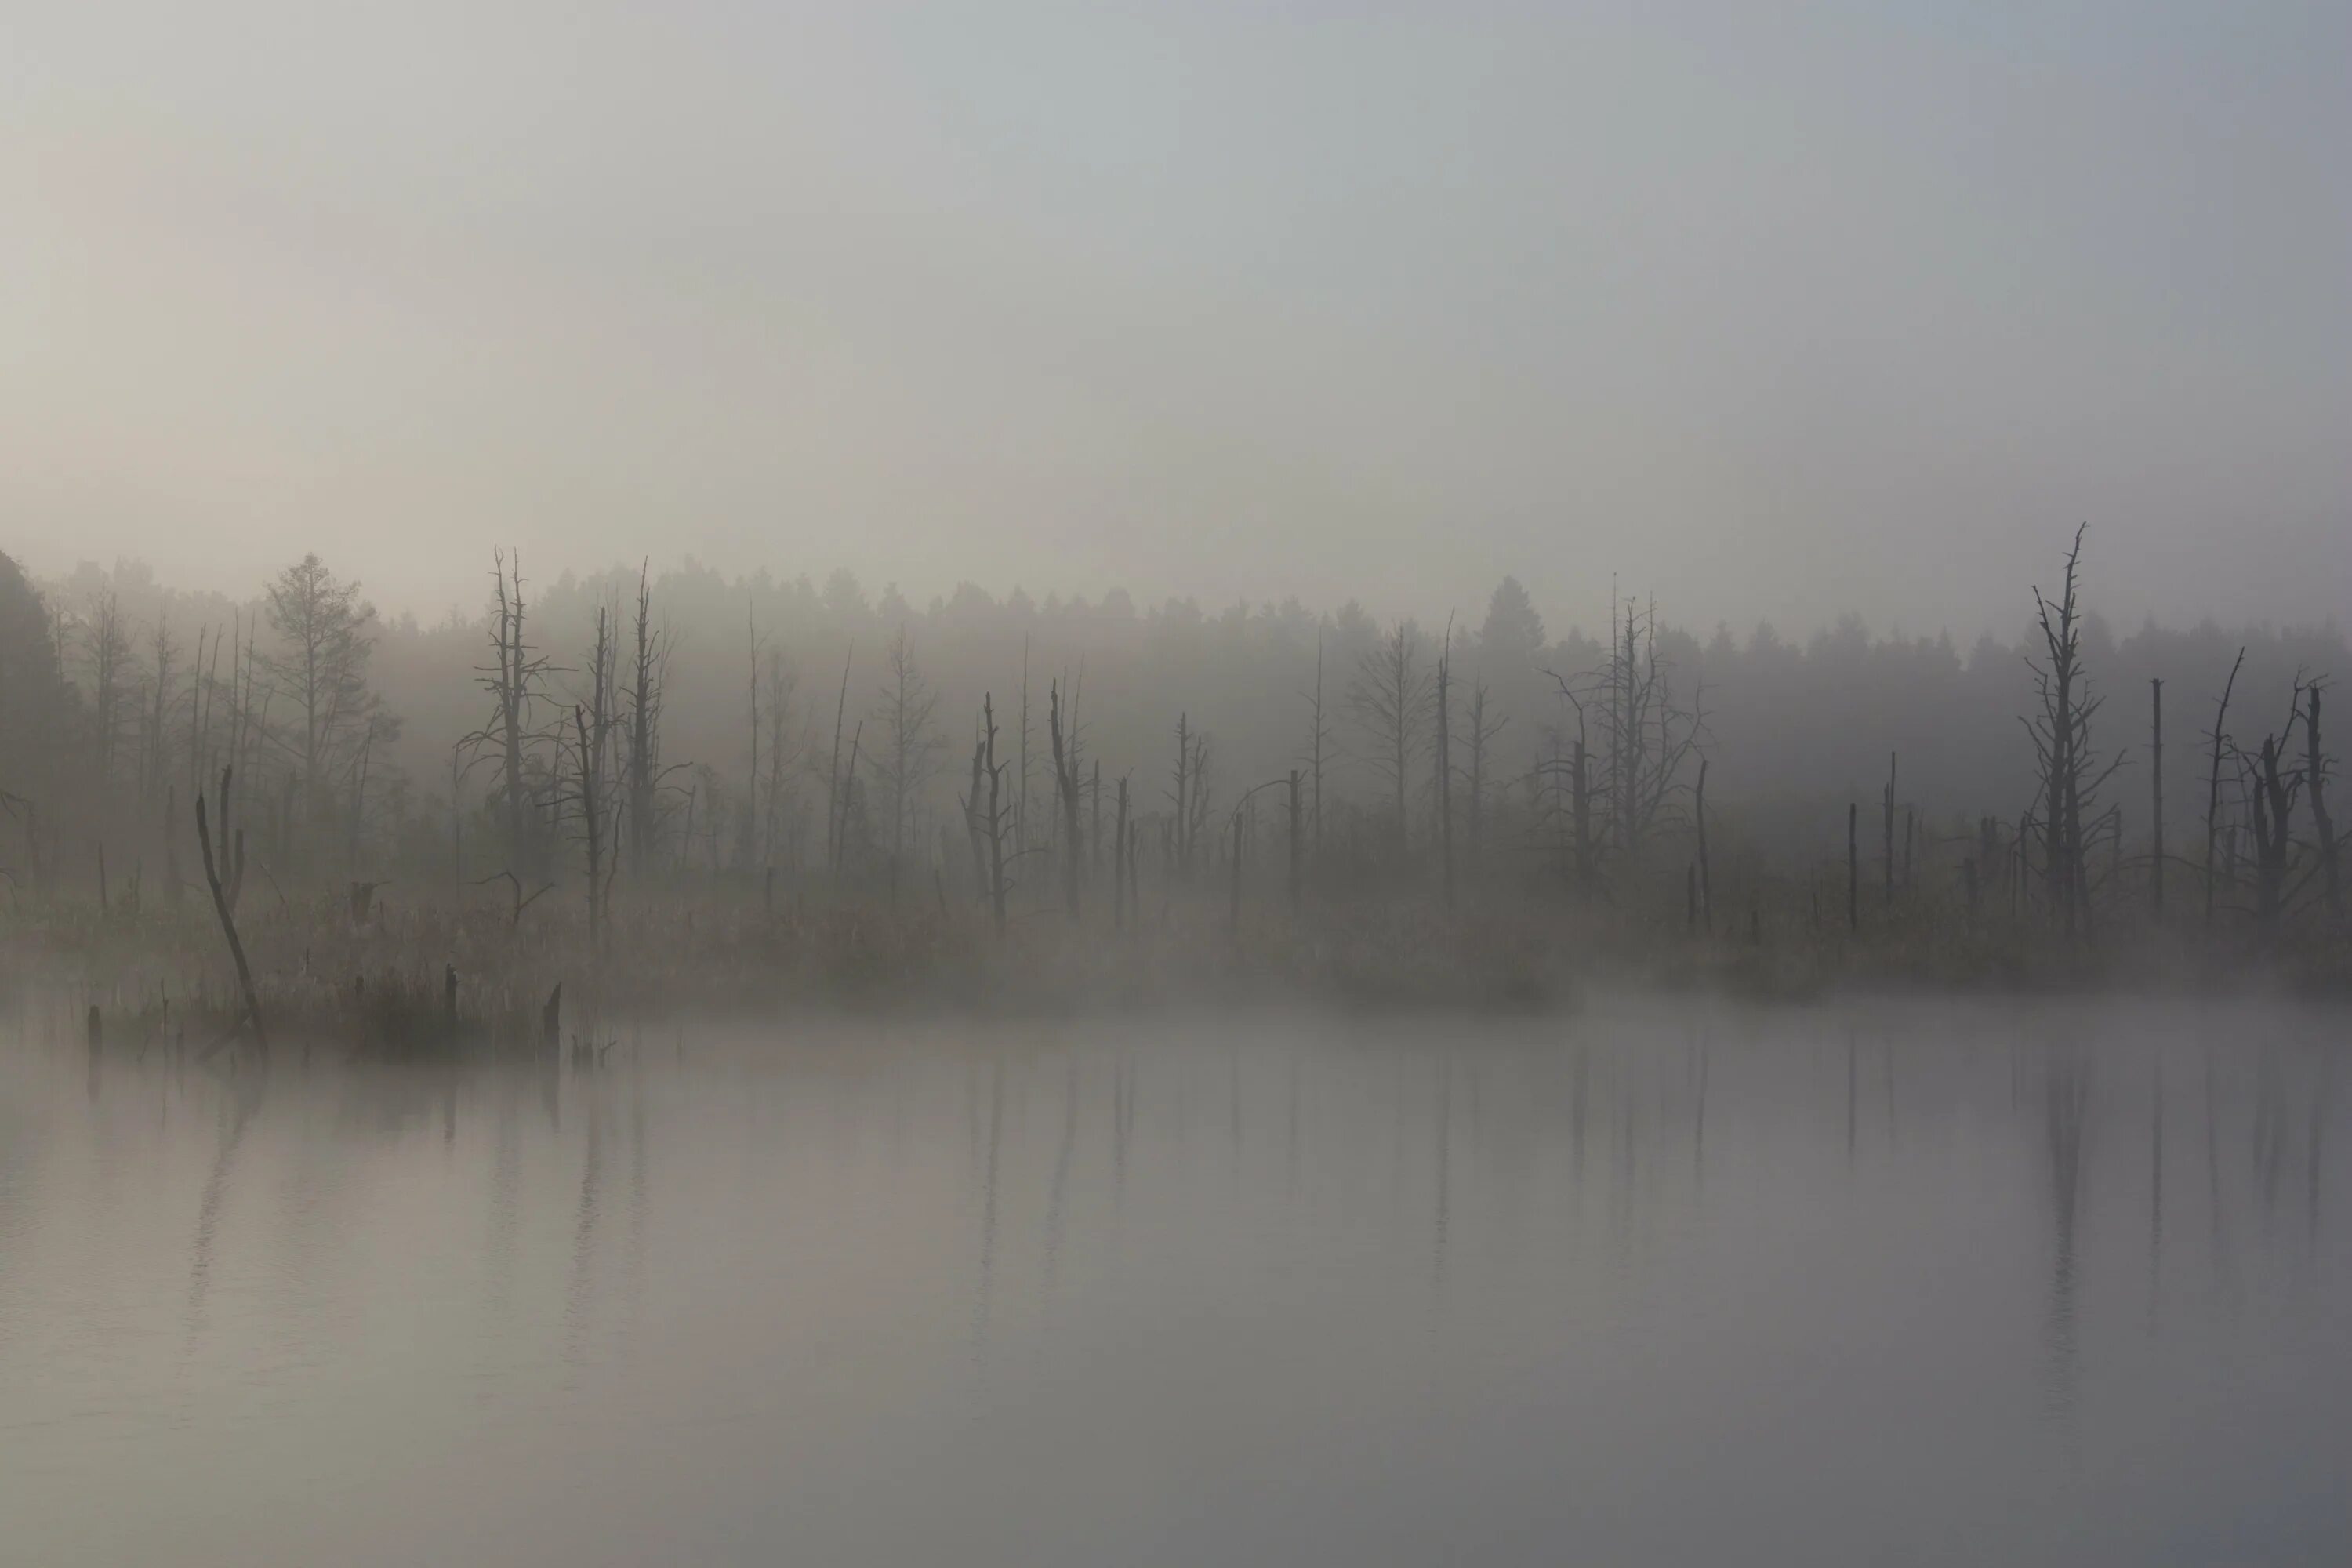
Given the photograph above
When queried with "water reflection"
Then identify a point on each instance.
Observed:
(1638, 1286)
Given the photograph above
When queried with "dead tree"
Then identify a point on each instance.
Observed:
(514, 680)
(833, 782)
(1065, 789)
(2156, 796)
(1295, 841)
(228, 921)
(2071, 774)
(2315, 779)
(907, 756)
(649, 672)
(1482, 737)
(1886, 831)
(2218, 742)
(1442, 782)
(995, 770)
(592, 819)
(1121, 865)
(1391, 699)
(974, 821)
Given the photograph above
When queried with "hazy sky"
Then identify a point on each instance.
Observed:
(1776, 309)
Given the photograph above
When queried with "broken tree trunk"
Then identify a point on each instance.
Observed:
(228, 922)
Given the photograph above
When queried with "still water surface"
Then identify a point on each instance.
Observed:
(1895, 1282)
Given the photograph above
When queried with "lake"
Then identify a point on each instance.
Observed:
(1888, 1281)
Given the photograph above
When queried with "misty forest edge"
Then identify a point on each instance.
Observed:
(308, 825)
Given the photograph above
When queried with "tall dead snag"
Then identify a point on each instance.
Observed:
(1443, 781)
(2218, 742)
(1183, 765)
(1886, 831)
(833, 779)
(1121, 865)
(2156, 796)
(1065, 788)
(1390, 698)
(1319, 740)
(973, 821)
(908, 756)
(229, 921)
(2315, 778)
(1295, 841)
(591, 827)
(995, 771)
(647, 671)
(2071, 774)
(513, 679)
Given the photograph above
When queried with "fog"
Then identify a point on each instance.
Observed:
(1233, 783)
(1780, 317)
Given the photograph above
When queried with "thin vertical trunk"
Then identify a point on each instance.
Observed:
(2315, 779)
(1886, 805)
(2156, 796)
(1120, 870)
(1444, 779)
(1296, 843)
(2219, 739)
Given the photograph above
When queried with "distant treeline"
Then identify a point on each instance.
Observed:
(755, 723)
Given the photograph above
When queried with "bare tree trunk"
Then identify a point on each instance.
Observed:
(1120, 869)
(1065, 786)
(1295, 842)
(833, 819)
(2220, 738)
(2156, 796)
(1183, 817)
(995, 812)
(228, 922)
(1887, 809)
(2314, 780)
(1444, 762)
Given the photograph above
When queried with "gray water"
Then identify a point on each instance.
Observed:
(1654, 1284)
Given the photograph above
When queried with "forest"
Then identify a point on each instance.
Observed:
(678, 788)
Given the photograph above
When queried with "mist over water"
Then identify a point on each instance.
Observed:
(1893, 1281)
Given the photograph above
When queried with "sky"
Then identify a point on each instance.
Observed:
(1773, 311)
